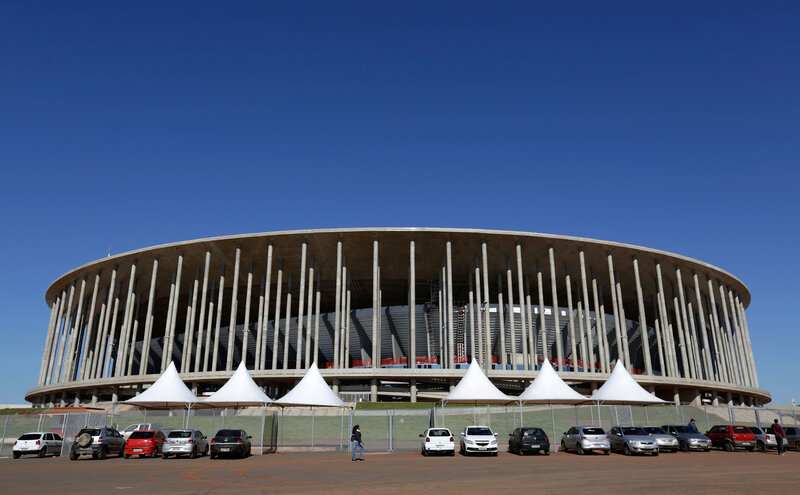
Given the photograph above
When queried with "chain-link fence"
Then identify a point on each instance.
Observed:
(384, 430)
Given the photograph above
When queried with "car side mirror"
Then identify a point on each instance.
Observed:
(250, 436)
(495, 434)
(564, 433)
(511, 434)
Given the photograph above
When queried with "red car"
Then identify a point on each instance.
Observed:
(732, 437)
(144, 443)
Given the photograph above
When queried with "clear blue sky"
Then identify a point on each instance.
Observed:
(671, 125)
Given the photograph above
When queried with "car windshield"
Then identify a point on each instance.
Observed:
(229, 433)
(142, 434)
(30, 436)
(633, 430)
(741, 429)
(479, 431)
(439, 433)
(532, 432)
(91, 431)
(593, 431)
(683, 429)
(654, 430)
(180, 434)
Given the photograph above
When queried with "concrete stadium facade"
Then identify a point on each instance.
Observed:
(395, 313)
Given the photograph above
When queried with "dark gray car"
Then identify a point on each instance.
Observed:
(792, 437)
(632, 440)
(688, 439)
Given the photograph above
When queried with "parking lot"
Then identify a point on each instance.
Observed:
(404, 472)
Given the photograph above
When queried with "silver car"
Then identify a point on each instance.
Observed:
(765, 438)
(184, 442)
(688, 439)
(585, 439)
(632, 440)
(664, 440)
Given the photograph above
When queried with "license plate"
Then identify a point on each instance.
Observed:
(535, 446)
(745, 443)
(225, 449)
(482, 448)
(137, 450)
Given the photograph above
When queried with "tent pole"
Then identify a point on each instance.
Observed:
(312, 429)
(599, 422)
(521, 421)
(263, 418)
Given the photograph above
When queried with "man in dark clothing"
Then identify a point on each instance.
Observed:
(356, 439)
(780, 437)
(693, 426)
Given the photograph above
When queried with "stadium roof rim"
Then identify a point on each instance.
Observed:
(378, 230)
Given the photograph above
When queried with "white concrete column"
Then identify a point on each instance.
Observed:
(308, 357)
(666, 326)
(606, 348)
(733, 372)
(556, 309)
(688, 366)
(501, 321)
(75, 335)
(112, 332)
(218, 324)
(741, 344)
(572, 341)
(511, 327)
(86, 357)
(450, 330)
(287, 327)
(176, 302)
(473, 352)
(209, 326)
(719, 349)
(522, 320)
(264, 326)
(584, 349)
(148, 323)
(486, 315)
(278, 302)
(623, 321)
(733, 329)
(51, 365)
(412, 308)
(234, 307)
(703, 329)
(531, 332)
(204, 301)
(347, 324)
(259, 324)
(663, 365)
(688, 326)
(542, 319)
(188, 332)
(120, 364)
(749, 343)
(65, 334)
(345, 319)
(479, 313)
(337, 345)
(97, 360)
(246, 331)
(621, 351)
(48, 342)
(648, 366)
(375, 355)
(298, 360)
(586, 305)
(598, 325)
(134, 335)
(318, 296)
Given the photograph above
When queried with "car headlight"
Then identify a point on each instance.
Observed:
(493, 442)
(468, 441)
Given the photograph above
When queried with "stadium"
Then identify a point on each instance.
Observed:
(395, 314)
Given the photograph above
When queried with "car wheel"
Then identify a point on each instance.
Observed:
(563, 446)
(205, 452)
(626, 450)
(494, 454)
(655, 453)
(164, 455)
(706, 450)
(42, 452)
(16, 455)
(453, 453)
(73, 456)
(607, 452)
(102, 454)
(126, 456)
(684, 447)
(154, 454)
(728, 446)
(212, 456)
(193, 453)
(547, 452)
(762, 447)
(751, 449)
(580, 450)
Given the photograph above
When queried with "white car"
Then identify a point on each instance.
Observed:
(478, 439)
(438, 440)
(39, 443)
(126, 433)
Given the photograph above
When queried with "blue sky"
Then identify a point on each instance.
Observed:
(671, 125)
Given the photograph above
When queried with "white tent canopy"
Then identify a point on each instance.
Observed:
(168, 392)
(476, 388)
(549, 388)
(311, 391)
(240, 390)
(621, 388)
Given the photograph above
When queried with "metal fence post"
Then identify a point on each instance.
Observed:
(312, 427)
(3, 441)
(263, 417)
(389, 433)
(341, 429)
(350, 428)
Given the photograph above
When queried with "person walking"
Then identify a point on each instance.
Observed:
(357, 443)
(780, 437)
(693, 426)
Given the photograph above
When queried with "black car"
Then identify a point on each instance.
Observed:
(526, 439)
(230, 442)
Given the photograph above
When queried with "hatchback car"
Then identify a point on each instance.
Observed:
(526, 439)
(144, 443)
(438, 441)
(664, 440)
(632, 440)
(730, 437)
(184, 442)
(99, 442)
(585, 439)
(765, 438)
(230, 442)
(688, 439)
(38, 443)
(478, 439)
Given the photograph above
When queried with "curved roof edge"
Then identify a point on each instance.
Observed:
(399, 229)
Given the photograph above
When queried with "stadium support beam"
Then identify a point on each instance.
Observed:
(203, 303)
(412, 312)
(554, 291)
(648, 367)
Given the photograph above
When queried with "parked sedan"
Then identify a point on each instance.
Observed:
(230, 442)
(585, 439)
(664, 440)
(478, 439)
(438, 441)
(188, 442)
(39, 443)
(144, 443)
(688, 439)
(632, 440)
(525, 439)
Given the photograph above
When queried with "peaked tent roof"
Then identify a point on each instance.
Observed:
(549, 388)
(311, 391)
(476, 388)
(621, 388)
(167, 392)
(239, 390)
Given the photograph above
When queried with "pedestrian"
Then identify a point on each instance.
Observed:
(357, 443)
(779, 436)
(693, 426)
